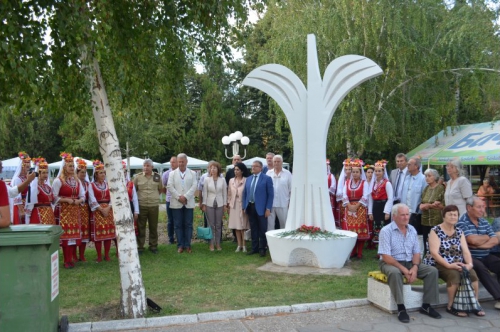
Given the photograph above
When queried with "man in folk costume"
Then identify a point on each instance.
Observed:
(81, 173)
(40, 198)
(355, 201)
(20, 176)
(380, 200)
(344, 176)
(68, 196)
(103, 225)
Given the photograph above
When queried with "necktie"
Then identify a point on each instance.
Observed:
(252, 188)
(397, 185)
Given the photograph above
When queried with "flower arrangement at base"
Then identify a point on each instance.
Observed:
(312, 232)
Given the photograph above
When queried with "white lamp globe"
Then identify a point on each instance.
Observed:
(238, 135)
(232, 137)
(245, 140)
(226, 140)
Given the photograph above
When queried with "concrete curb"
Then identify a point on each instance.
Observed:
(129, 324)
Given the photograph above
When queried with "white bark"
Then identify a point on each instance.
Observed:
(133, 295)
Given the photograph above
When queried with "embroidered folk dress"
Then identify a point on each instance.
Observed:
(85, 213)
(68, 215)
(20, 199)
(42, 212)
(356, 221)
(103, 228)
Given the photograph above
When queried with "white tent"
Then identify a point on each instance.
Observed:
(248, 163)
(54, 167)
(137, 163)
(193, 163)
(9, 167)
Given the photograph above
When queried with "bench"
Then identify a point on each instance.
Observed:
(492, 204)
(380, 295)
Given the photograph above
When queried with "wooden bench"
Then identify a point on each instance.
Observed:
(380, 295)
(492, 204)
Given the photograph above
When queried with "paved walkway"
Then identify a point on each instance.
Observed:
(357, 315)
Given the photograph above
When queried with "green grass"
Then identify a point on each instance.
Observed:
(201, 282)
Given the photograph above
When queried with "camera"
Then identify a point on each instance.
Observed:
(32, 169)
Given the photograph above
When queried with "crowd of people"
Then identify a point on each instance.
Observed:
(385, 210)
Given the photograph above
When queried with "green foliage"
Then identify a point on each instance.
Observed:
(439, 61)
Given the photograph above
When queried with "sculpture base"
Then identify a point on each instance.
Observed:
(306, 251)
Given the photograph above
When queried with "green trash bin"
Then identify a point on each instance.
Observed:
(29, 278)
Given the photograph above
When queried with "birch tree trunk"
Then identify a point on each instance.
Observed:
(133, 295)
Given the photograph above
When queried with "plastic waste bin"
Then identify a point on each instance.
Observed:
(29, 278)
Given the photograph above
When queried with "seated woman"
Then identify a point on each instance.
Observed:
(449, 254)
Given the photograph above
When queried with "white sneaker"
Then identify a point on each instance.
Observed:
(244, 249)
(238, 249)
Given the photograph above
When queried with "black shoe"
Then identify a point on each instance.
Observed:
(403, 316)
(141, 252)
(154, 251)
(430, 312)
(252, 252)
(262, 253)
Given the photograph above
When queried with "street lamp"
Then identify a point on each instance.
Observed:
(235, 139)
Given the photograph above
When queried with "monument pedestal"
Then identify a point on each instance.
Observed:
(307, 251)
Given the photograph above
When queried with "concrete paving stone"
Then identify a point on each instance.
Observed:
(319, 328)
(460, 329)
(423, 328)
(351, 303)
(491, 329)
(118, 325)
(474, 322)
(171, 320)
(80, 327)
(357, 326)
(443, 322)
(221, 315)
(268, 311)
(221, 326)
(495, 322)
(393, 327)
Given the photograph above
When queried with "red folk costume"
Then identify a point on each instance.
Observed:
(18, 178)
(102, 227)
(66, 186)
(380, 201)
(356, 221)
(39, 205)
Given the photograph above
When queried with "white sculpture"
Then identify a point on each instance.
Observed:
(309, 113)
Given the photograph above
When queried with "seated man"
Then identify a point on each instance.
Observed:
(399, 252)
(495, 225)
(481, 239)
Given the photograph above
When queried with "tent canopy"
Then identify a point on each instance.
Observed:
(248, 163)
(475, 144)
(193, 163)
(137, 163)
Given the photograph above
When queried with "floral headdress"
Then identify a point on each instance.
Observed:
(368, 166)
(98, 165)
(347, 162)
(356, 163)
(68, 158)
(381, 163)
(41, 163)
(124, 164)
(25, 158)
(81, 164)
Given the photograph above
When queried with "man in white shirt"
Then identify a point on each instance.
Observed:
(282, 184)
(411, 194)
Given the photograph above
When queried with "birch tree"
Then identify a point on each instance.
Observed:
(138, 45)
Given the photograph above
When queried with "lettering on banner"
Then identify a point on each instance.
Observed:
(473, 140)
(54, 274)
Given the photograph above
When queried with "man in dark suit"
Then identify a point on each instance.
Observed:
(258, 198)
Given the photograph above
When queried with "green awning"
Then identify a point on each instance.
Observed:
(475, 144)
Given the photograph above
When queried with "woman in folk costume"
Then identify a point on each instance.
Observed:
(19, 202)
(380, 200)
(103, 225)
(81, 173)
(344, 176)
(68, 196)
(40, 198)
(355, 201)
(332, 189)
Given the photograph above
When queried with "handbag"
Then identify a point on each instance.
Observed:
(204, 233)
(465, 300)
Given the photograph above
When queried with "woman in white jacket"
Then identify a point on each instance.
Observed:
(215, 202)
